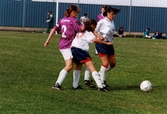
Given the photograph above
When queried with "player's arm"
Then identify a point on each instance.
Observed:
(97, 29)
(49, 37)
(82, 27)
(101, 42)
(97, 35)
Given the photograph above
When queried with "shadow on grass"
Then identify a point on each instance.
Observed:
(133, 87)
(124, 88)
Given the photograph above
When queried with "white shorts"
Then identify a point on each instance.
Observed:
(67, 54)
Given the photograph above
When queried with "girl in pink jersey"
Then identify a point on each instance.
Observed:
(69, 27)
(100, 16)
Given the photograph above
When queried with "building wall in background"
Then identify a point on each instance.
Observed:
(135, 16)
(141, 3)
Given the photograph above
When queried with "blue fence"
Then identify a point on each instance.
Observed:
(25, 13)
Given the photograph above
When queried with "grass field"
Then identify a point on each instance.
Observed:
(28, 71)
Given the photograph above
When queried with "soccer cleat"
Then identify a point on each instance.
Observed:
(102, 89)
(77, 88)
(89, 83)
(57, 86)
(106, 85)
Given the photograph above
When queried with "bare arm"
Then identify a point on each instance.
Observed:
(97, 35)
(83, 27)
(49, 37)
(101, 42)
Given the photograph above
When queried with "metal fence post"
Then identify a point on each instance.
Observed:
(24, 11)
(130, 14)
(57, 10)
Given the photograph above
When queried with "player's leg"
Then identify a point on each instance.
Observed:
(67, 55)
(87, 74)
(95, 75)
(112, 61)
(96, 53)
(104, 66)
(103, 55)
(63, 74)
(76, 76)
(87, 80)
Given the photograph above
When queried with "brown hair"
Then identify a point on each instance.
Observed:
(103, 7)
(88, 25)
(110, 9)
(70, 9)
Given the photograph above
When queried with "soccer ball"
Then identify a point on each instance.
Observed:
(146, 86)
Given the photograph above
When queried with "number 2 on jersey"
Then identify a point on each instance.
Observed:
(64, 28)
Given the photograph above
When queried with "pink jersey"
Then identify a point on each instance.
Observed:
(99, 17)
(69, 27)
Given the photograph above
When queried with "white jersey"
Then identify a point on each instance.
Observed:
(82, 40)
(106, 28)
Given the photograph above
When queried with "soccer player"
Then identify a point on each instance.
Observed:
(69, 27)
(99, 17)
(80, 47)
(87, 80)
(105, 28)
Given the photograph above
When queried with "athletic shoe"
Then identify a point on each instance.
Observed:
(89, 83)
(77, 88)
(106, 84)
(57, 86)
(102, 89)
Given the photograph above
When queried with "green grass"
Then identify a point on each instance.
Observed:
(28, 71)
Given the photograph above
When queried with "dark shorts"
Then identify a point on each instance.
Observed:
(103, 49)
(80, 56)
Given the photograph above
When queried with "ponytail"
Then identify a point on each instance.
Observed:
(70, 9)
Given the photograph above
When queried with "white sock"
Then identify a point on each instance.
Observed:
(108, 68)
(62, 76)
(96, 77)
(76, 77)
(102, 74)
(96, 51)
(87, 74)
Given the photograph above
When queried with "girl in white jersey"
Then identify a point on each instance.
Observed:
(80, 48)
(105, 28)
(87, 80)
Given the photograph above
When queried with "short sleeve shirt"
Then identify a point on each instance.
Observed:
(69, 27)
(99, 17)
(106, 28)
(82, 40)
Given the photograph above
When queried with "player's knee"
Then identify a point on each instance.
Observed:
(68, 68)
